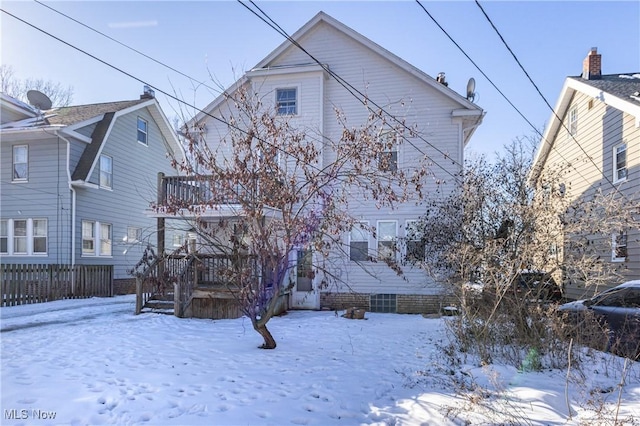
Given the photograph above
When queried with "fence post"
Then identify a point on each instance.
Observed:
(177, 304)
(138, 295)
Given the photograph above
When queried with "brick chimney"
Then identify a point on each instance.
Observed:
(592, 65)
(148, 93)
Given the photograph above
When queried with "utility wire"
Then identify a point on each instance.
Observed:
(494, 85)
(231, 125)
(199, 83)
(544, 99)
(353, 90)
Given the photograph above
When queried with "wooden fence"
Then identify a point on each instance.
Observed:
(23, 284)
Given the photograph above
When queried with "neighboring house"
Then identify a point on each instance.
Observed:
(596, 130)
(290, 82)
(76, 181)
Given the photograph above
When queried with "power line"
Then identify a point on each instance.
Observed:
(362, 98)
(494, 85)
(200, 83)
(230, 125)
(543, 97)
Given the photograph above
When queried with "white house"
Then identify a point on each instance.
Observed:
(332, 69)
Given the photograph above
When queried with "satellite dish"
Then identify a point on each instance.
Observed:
(471, 89)
(39, 100)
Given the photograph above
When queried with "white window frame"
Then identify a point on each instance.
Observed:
(15, 162)
(619, 173)
(413, 235)
(106, 245)
(91, 227)
(389, 138)
(24, 237)
(134, 234)
(29, 238)
(359, 235)
(178, 239)
(106, 173)
(572, 124)
(101, 238)
(296, 101)
(39, 236)
(4, 236)
(140, 131)
(386, 243)
(619, 240)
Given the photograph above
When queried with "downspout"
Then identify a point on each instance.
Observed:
(73, 202)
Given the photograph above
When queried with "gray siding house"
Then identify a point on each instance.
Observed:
(439, 115)
(76, 181)
(596, 129)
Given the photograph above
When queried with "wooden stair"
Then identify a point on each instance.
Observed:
(160, 304)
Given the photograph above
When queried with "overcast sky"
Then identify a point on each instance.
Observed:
(222, 39)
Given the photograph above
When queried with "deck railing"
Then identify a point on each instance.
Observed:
(196, 191)
(23, 283)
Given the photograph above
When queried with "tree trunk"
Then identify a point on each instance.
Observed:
(269, 341)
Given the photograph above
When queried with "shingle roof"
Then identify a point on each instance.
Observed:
(621, 85)
(76, 114)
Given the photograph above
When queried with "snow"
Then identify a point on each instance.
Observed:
(92, 361)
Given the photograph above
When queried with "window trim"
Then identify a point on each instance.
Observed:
(362, 232)
(134, 234)
(25, 237)
(616, 170)
(4, 235)
(96, 239)
(145, 132)
(13, 164)
(108, 173)
(572, 121)
(296, 105)
(106, 244)
(8, 234)
(394, 240)
(393, 164)
(410, 230)
(615, 245)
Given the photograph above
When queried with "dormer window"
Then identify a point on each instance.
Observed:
(286, 101)
(142, 131)
(106, 171)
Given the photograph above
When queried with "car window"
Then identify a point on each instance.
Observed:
(632, 298)
(611, 298)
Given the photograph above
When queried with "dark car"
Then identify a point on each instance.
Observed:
(617, 311)
(537, 285)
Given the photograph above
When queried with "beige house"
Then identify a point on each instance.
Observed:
(595, 132)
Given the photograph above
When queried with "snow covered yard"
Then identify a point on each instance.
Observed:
(93, 362)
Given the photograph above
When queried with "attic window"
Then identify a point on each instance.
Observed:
(286, 101)
(573, 122)
(142, 131)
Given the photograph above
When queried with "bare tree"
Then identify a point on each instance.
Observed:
(497, 227)
(11, 85)
(292, 189)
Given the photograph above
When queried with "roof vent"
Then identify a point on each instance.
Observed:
(440, 79)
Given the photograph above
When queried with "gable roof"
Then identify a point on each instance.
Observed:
(322, 17)
(619, 91)
(64, 122)
(70, 115)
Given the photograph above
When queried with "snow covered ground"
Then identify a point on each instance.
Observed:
(93, 362)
